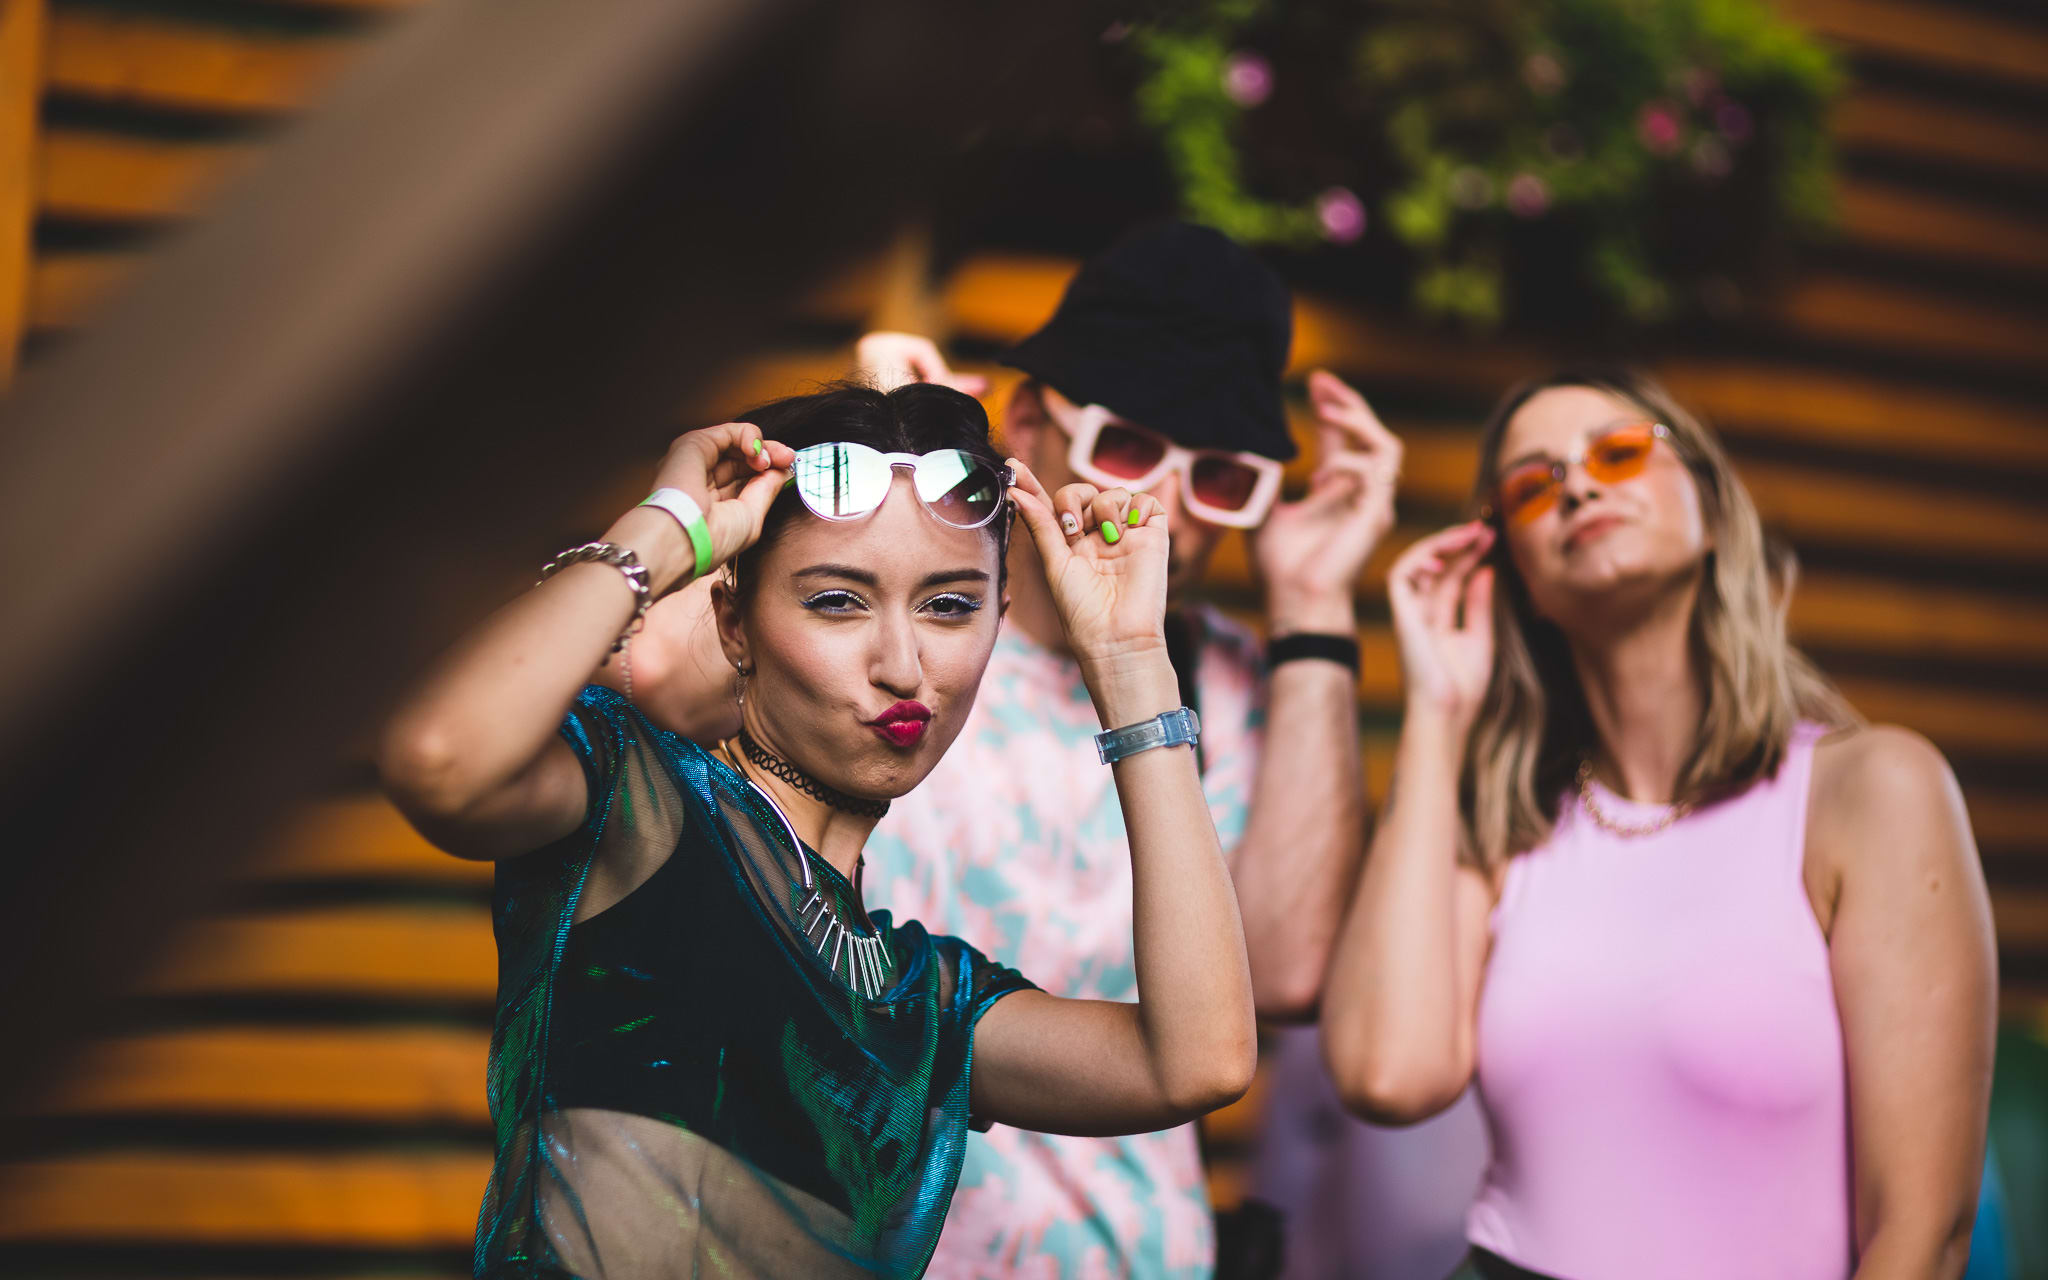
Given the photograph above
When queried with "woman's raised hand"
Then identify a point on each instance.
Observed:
(1442, 599)
(1105, 559)
(734, 476)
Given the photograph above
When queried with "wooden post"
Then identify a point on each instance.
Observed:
(21, 83)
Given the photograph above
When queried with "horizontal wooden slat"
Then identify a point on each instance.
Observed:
(1856, 614)
(1888, 317)
(1841, 509)
(390, 1075)
(1902, 219)
(363, 837)
(424, 953)
(1859, 413)
(401, 1200)
(1003, 297)
(127, 57)
(1958, 720)
(93, 174)
(2021, 917)
(2004, 820)
(1950, 37)
(64, 287)
(1928, 128)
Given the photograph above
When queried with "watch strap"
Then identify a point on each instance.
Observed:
(1178, 727)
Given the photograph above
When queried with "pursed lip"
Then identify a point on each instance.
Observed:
(903, 724)
(1599, 523)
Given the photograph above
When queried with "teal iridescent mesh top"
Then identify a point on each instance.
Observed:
(680, 1084)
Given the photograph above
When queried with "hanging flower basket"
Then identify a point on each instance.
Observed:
(1534, 163)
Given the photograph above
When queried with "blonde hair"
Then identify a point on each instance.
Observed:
(1533, 728)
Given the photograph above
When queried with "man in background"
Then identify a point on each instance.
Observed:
(1160, 370)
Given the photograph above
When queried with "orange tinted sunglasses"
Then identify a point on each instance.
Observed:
(1528, 489)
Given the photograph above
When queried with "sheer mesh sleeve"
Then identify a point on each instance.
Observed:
(971, 988)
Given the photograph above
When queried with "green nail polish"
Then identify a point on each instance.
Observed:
(1109, 532)
(758, 446)
(1135, 517)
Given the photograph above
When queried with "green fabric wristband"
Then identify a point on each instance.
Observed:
(689, 515)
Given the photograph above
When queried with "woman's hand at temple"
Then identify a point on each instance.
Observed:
(1105, 557)
(733, 474)
(1441, 594)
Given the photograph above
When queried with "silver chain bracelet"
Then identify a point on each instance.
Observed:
(626, 561)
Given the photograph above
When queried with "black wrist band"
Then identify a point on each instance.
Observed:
(1342, 650)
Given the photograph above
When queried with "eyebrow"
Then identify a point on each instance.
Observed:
(867, 578)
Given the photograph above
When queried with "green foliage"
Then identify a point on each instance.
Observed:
(1662, 147)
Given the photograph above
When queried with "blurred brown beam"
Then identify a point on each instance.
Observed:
(263, 487)
(21, 86)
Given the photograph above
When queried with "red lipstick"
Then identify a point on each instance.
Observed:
(902, 725)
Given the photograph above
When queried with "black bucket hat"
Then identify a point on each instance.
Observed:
(1177, 328)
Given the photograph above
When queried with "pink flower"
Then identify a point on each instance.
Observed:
(1658, 127)
(1247, 79)
(1732, 119)
(1341, 214)
(1528, 196)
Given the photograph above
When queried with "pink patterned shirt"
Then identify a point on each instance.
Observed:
(1016, 844)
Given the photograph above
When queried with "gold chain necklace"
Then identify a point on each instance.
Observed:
(867, 958)
(1609, 825)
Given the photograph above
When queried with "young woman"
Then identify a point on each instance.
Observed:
(708, 1060)
(1718, 956)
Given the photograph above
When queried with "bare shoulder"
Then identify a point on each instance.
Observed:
(1886, 810)
(1870, 773)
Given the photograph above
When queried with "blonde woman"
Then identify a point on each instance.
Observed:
(1717, 955)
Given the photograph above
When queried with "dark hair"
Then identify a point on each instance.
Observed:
(918, 417)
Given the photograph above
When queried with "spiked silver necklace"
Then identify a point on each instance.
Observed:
(867, 961)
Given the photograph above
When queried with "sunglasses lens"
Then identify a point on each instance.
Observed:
(838, 481)
(958, 488)
(1126, 452)
(1621, 454)
(1527, 491)
(1223, 483)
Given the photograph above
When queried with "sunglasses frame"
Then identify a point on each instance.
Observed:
(1560, 468)
(1003, 475)
(1086, 429)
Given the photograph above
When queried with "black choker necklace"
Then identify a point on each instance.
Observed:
(804, 782)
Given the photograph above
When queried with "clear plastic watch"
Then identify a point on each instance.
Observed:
(1167, 729)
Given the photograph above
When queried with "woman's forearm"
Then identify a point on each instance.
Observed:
(1934, 1251)
(493, 704)
(1393, 1007)
(1298, 860)
(1194, 985)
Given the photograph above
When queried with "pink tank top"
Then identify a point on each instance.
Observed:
(1659, 1052)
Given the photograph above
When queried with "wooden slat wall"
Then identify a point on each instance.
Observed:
(299, 1089)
